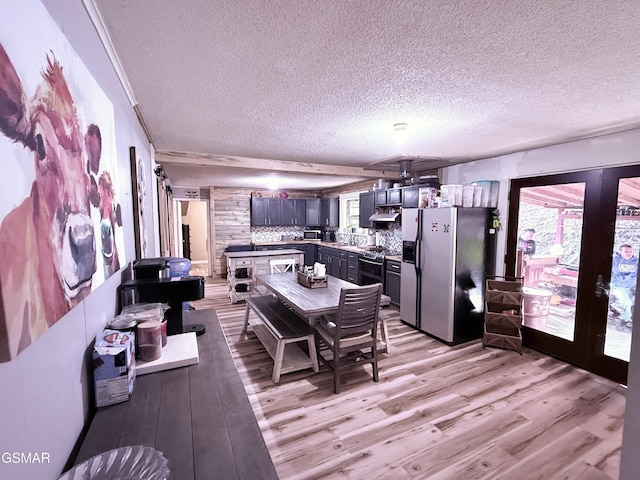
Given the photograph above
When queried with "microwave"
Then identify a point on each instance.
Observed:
(312, 234)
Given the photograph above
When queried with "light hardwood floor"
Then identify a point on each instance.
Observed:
(438, 412)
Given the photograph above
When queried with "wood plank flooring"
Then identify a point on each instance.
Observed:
(438, 412)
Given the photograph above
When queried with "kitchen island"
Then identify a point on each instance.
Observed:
(242, 268)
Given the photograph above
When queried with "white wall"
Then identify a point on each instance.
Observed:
(605, 151)
(44, 392)
(197, 218)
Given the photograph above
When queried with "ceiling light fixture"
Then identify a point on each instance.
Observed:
(272, 184)
(400, 127)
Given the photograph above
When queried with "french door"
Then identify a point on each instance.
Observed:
(564, 232)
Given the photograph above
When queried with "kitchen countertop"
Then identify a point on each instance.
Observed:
(264, 253)
(348, 248)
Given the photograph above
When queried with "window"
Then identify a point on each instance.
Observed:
(350, 213)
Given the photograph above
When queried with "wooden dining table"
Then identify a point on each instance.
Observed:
(309, 303)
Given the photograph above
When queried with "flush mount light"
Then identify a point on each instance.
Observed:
(400, 127)
(272, 184)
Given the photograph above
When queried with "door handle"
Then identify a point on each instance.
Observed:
(601, 287)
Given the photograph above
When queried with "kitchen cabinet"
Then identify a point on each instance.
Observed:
(367, 208)
(390, 196)
(394, 196)
(392, 281)
(330, 212)
(266, 211)
(410, 197)
(353, 268)
(310, 250)
(313, 212)
(381, 197)
(242, 268)
(323, 212)
(294, 211)
(335, 261)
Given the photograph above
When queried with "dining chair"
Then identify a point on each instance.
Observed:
(282, 265)
(350, 336)
(276, 265)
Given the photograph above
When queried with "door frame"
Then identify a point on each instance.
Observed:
(599, 214)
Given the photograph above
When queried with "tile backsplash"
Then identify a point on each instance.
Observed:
(273, 234)
(390, 239)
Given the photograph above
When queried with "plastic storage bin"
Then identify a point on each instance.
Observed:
(489, 195)
(451, 195)
(179, 267)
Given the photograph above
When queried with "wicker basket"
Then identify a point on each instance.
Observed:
(310, 281)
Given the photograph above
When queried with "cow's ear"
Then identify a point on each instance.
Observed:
(94, 194)
(14, 119)
(118, 212)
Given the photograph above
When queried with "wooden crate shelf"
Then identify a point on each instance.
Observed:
(503, 315)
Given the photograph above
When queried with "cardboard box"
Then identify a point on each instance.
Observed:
(114, 371)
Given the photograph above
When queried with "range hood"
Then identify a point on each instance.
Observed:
(384, 217)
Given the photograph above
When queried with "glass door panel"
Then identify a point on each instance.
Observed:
(624, 270)
(577, 308)
(549, 246)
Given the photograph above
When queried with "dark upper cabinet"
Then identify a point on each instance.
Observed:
(367, 208)
(294, 211)
(323, 212)
(410, 196)
(259, 211)
(313, 212)
(390, 196)
(266, 211)
(381, 197)
(394, 196)
(330, 212)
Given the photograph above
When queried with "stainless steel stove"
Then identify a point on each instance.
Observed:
(371, 264)
(373, 252)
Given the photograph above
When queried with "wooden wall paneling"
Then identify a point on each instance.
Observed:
(212, 233)
(231, 222)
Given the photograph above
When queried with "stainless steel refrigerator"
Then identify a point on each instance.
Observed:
(446, 255)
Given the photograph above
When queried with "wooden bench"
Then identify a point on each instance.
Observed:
(278, 327)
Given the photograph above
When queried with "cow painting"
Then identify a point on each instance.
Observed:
(47, 242)
(110, 219)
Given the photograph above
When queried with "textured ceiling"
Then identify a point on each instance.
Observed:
(323, 82)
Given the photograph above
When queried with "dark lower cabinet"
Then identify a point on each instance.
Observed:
(353, 268)
(392, 281)
(336, 262)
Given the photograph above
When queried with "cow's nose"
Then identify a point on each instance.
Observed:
(106, 236)
(82, 244)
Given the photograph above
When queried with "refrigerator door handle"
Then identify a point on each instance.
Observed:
(418, 269)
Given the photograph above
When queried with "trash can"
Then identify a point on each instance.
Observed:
(139, 462)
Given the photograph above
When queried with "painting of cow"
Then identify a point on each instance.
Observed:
(49, 242)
